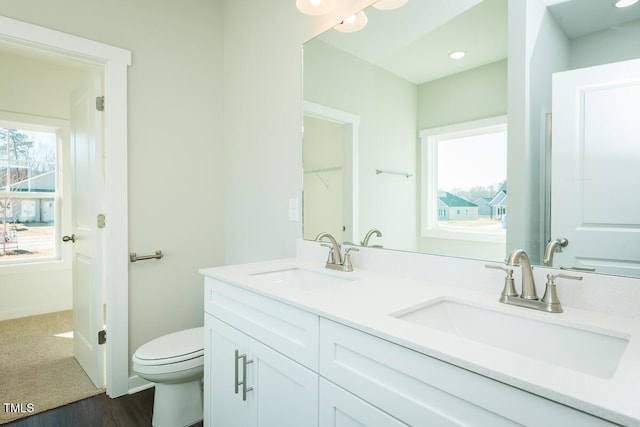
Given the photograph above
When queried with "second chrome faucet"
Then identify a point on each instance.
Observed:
(528, 297)
(336, 261)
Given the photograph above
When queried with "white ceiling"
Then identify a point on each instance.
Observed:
(415, 40)
(38, 55)
(581, 17)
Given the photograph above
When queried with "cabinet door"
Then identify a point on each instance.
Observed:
(223, 407)
(284, 393)
(339, 408)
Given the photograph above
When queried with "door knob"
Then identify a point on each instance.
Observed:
(71, 238)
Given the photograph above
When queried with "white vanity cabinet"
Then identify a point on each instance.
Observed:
(339, 408)
(300, 369)
(271, 390)
(247, 382)
(422, 391)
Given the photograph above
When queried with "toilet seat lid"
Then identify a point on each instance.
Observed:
(181, 345)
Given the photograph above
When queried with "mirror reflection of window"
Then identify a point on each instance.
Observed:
(472, 174)
(464, 188)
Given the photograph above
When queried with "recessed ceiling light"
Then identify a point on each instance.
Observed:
(625, 3)
(458, 54)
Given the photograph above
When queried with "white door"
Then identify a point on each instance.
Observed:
(223, 397)
(285, 393)
(87, 202)
(279, 391)
(595, 196)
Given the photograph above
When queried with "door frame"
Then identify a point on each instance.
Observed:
(351, 168)
(115, 62)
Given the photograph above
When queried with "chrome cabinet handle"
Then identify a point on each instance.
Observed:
(237, 384)
(71, 238)
(245, 389)
(242, 383)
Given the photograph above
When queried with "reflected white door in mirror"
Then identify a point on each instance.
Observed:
(595, 159)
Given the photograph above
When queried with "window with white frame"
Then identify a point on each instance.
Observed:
(464, 181)
(29, 193)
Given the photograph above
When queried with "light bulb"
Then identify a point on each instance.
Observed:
(315, 7)
(353, 23)
(389, 4)
(625, 3)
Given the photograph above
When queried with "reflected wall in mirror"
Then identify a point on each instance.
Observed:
(387, 75)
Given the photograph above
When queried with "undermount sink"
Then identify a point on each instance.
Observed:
(596, 353)
(302, 278)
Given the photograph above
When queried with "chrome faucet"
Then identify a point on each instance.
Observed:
(335, 261)
(528, 297)
(554, 247)
(367, 237)
(520, 257)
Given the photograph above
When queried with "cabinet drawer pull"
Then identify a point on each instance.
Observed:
(242, 383)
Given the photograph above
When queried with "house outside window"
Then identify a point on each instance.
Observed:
(29, 193)
(464, 173)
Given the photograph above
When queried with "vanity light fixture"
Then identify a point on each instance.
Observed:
(315, 7)
(625, 3)
(458, 54)
(389, 4)
(353, 23)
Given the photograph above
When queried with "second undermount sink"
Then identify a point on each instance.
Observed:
(302, 278)
(586, 350)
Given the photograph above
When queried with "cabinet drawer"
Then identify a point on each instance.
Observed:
(289, 330)
(339, 408)
(420, 390)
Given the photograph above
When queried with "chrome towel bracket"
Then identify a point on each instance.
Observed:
(133, 257)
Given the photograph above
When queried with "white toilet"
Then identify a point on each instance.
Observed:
(175, 362)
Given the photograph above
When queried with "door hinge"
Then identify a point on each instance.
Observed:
(100, 103)
(101, 220)
(102, 336)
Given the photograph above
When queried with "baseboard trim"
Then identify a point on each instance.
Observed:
(28, 311)
(137, 384)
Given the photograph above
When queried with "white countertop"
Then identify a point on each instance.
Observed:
(367, 301)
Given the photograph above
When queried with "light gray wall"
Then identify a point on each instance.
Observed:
(263, 122)
(603, 47)
(175, 155)
(471, 95)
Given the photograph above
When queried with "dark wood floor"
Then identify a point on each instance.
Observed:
(134, 410)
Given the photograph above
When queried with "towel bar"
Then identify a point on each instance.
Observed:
(133, 257)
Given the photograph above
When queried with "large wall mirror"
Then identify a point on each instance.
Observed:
(407, 148)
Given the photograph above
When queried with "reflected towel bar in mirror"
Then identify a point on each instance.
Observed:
(406, 174)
